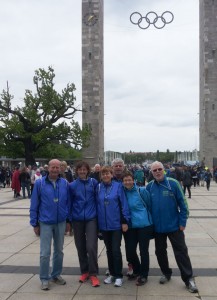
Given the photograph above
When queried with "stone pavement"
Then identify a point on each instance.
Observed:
(19, 258)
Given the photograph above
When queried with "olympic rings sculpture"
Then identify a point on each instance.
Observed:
(151, 18)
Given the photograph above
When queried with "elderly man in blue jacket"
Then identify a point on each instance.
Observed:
(48, 214)
(170, 213)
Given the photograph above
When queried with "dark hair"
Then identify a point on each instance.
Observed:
(81, 164)
(126, 174)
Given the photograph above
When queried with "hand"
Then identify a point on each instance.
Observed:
(181, 228)
(124, 227)
(37, 230)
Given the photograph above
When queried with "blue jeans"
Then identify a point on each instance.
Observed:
(47, 232)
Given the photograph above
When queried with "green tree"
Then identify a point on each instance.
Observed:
(24, 131)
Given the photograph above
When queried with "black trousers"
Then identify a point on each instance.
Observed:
(86, 242)
(133, 237)
(180, 250)
(188, 188)
(112, 240)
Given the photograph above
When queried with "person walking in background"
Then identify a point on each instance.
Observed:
(207, 178)
(25, 181)
(48, 214)
(140, 229)
(187, 181)
(84, 220)
(170, 213)
(113, 218)
(15, 183)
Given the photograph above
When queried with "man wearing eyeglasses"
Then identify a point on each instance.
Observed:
(169, 214)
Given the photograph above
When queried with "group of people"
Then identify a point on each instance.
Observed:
(110, 206)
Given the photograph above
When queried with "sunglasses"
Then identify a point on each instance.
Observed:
(157, 170)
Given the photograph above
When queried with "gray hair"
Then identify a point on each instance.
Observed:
(117, 161)
(157, 163)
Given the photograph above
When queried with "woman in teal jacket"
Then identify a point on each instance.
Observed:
(141, 229)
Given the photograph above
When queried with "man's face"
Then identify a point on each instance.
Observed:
(118, 169)
(158, 172)
(54, 169)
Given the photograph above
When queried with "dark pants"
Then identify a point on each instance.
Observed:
(207, 184)
(189, 190)
(133, 237)
(86, 242)
(26, 186)
(112, 240)
(180, 250)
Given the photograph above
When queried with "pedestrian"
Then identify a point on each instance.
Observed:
(48, 215)
(207, 178)
(15, 183)
(187, 181)
(113, 218)
(170, 213)
(140, 229)
(84, 220)
(25, 181)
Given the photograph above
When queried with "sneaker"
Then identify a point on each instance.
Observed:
(164, 279)
(45, 285)
(141, 281)
(130, 270)
(191, 286)
(118, 282)
(58, 280)
(94, 281)
(132, 276)
(109, 279)
(84, 277)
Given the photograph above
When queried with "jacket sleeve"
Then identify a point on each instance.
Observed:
(35, 204)
(182, 205)
(125, 213)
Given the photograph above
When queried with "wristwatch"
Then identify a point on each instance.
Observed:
(90, 19)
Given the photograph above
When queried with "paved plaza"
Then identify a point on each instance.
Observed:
(19, 258)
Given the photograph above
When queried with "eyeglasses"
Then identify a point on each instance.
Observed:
(157, 170)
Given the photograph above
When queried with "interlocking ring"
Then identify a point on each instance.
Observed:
(151, 18)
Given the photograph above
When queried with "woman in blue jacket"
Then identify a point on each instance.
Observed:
(84, 220)
(113, 217)
(140, 230)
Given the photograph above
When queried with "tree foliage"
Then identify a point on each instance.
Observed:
(45, 120)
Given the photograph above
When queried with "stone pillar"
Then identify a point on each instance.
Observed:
(208, 81)
(93, 78)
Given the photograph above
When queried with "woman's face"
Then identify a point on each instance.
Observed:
(106, 177)
(128, 182)
(82, 173)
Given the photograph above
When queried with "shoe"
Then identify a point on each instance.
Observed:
(141, 281)
(109, 279)
(84, 277)
(164, 279)
(45, 285)
(94, 281)
(118, 282)
(191, 286)
(132, 276)
(58, 280)
(130, 270)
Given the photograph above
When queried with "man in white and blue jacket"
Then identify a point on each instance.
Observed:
(169, 214)
(48, 214)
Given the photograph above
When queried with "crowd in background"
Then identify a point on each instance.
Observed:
(23, 178)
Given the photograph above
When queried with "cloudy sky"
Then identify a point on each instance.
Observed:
(151, 76)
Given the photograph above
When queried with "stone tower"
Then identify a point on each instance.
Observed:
(208, 82)
(93, 78)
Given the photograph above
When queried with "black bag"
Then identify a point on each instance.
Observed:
(150, 231)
